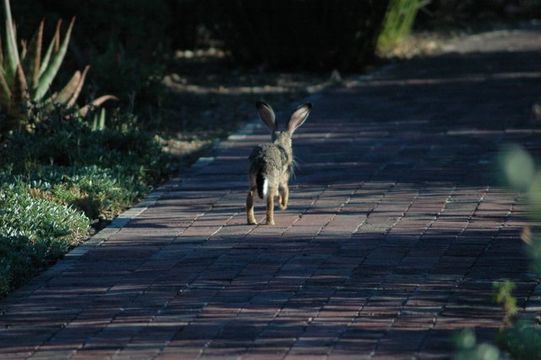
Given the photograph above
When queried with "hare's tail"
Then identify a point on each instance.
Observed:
(261, 182)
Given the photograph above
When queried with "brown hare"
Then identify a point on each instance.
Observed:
(271, 164)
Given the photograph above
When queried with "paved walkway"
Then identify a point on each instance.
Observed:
(395, 232)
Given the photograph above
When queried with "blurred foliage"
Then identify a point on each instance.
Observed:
(469, 349)
(398, 21)
(503, 296)
(522, 340)
(518, 338)
(518, 166)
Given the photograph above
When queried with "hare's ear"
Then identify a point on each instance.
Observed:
(266, 114)
(298, 117)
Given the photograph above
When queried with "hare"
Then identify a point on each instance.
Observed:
(271, 164)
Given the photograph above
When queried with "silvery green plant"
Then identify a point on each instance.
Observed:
(26, 73)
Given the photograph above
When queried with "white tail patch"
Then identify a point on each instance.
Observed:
(265, 187)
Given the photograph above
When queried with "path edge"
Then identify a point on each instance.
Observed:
(118, 223)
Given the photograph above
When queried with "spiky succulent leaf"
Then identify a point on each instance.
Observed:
(48, 76)
(5, 91)
(19, 90)
(24, 49)
(95, 103)
(49, 53)
(67, 92)
(101, 123)
(12, 54)
(77, 92)
(32, 61)
(1, 54)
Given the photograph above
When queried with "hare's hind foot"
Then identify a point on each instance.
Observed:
(284, 197)
(270, 207)
(250, 216)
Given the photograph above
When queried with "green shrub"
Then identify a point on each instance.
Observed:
(398, 21)
(305, 34)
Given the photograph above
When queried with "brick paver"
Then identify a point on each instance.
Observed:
(395, 232)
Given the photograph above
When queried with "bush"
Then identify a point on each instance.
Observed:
(305, 34)
(398, 21)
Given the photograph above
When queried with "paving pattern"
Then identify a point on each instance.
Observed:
(396, 229)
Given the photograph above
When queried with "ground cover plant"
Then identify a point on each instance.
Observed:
(63, 177)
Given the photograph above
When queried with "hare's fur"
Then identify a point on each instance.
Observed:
(271, 164)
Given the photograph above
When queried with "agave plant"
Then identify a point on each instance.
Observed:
(26, 74)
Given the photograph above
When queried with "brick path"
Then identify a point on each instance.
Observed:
(395, 233)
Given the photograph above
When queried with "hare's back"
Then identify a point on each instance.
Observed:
(266, 157)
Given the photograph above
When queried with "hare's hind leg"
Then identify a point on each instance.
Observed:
(284, 196)
(270, 205)
(250, 216)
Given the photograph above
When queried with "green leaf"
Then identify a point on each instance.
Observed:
(102, 119)
(11, 44)
(519, 167)
(32, 61)
(77, 92)
(48, 76)
(20, 86)
(45, 63)
(5, 92)
(95, 103)
(67, 92)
